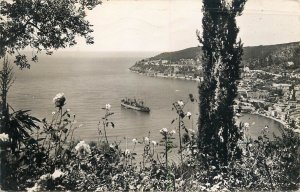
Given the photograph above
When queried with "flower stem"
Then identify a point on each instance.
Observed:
(105, 133)
(180, 144)
(166, 151)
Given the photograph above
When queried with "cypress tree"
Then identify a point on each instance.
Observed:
(222, 52)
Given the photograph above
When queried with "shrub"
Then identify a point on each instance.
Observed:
(50, 159)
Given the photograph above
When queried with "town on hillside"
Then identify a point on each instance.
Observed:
(183, 69)
(273, 95)
(262, 89)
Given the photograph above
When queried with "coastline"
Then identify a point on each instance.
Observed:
(167, 77)
(283, 123)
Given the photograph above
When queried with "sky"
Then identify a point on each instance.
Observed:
(169, 25)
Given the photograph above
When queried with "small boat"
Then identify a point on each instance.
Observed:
(134, 104)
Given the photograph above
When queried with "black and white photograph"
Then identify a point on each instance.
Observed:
(149, 95)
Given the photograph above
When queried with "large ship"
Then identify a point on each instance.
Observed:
(134, 104)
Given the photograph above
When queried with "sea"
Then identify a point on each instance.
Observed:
(92, 80)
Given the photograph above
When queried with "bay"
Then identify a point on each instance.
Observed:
(92, 80)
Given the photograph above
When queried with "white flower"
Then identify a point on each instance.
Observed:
(132, 187)
(246, 125)
(172, 132)
(266, 127)
(147, 140)
(82, 148)
(111, 146)
(4, 137)
(107, 106)
(180, 103)
(192, 130)
(57, 173)
(244, 152)
(53, 112)
(207, 184)
(189, 114)
(134, 140)
(297, 130)
(35, 188)
(46, 176)
(163, 130)
(219, 176)
(127, 152)
(154, 143)
(59, 100)
(68, 110)
(115, 177)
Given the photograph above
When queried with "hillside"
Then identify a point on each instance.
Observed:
(254, 56)
(264, 51)
(189, 53)
(273, 57)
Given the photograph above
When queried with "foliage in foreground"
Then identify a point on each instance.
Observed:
(50, 159)
(42, 26)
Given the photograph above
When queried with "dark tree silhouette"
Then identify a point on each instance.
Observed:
(6, 81)
(218, 134)
(42, 25)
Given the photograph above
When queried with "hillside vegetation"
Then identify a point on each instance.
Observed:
(254, 56)
(189, 53)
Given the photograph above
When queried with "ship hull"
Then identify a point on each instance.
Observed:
(135, 108)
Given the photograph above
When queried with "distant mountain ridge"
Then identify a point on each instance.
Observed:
(254, 56)
(189, 53)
